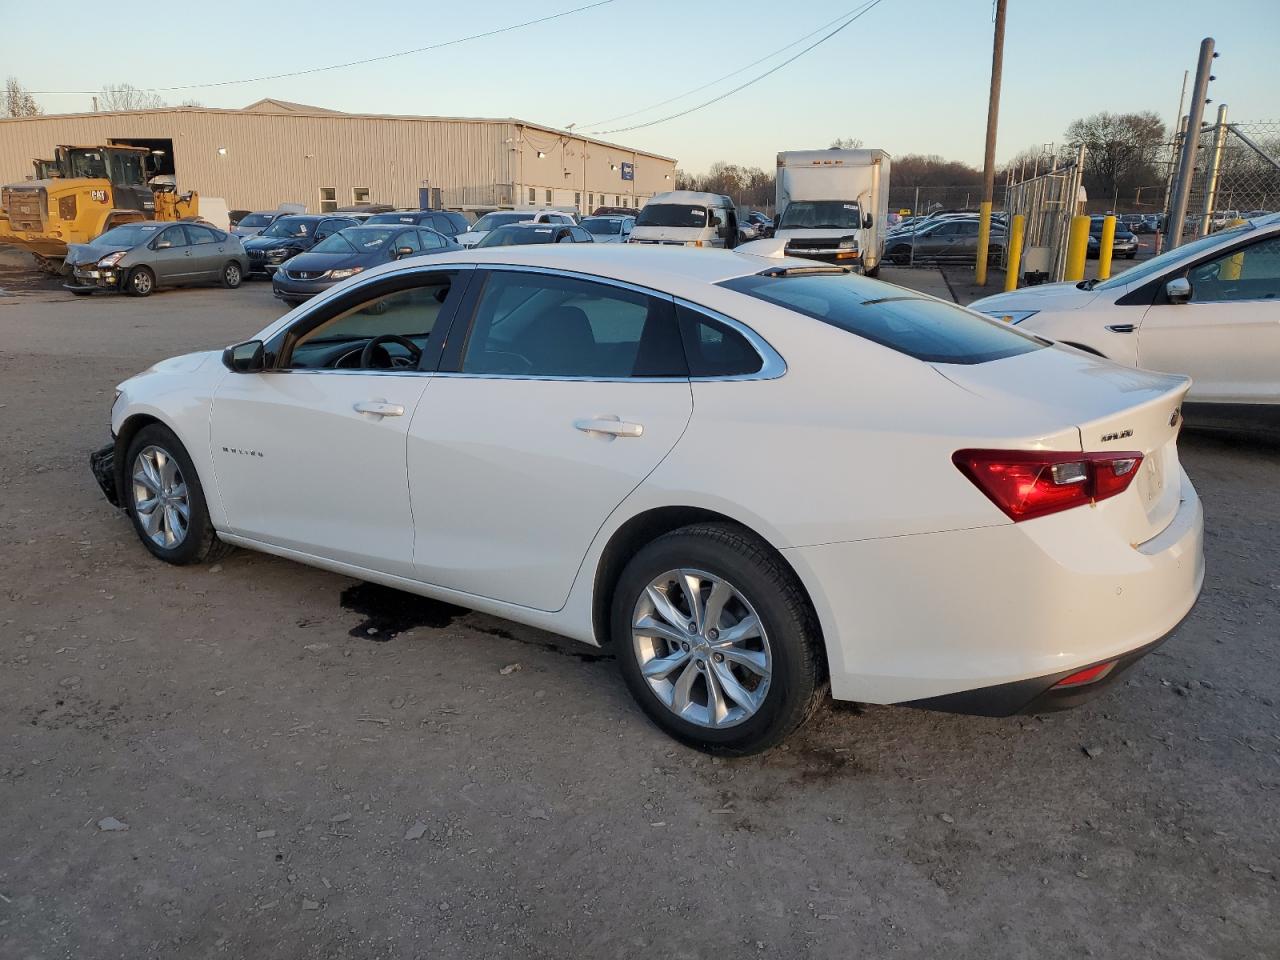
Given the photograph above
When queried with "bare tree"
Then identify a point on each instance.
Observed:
(1121, 150)
(125, 96)
(18, 101)
(846, 143)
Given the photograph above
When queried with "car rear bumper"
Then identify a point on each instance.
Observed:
(986, 620)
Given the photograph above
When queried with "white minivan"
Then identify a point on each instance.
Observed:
(687, 218)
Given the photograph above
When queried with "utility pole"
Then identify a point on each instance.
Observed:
(989, 160)
(1187, 163)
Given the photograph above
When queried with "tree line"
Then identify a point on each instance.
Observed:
(18, 101)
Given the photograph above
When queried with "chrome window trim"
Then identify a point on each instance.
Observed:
(773, 365)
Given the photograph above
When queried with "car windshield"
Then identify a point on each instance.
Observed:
(364, 239)
(672, 215)
(511, 236)
(127, 235)
(926, 329)
(821, 215)
(288, 227)
(1170, 257)
(602, 226)
(491, 221)
(256, 220)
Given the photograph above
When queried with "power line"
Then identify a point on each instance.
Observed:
(772, 70)
(712, 83)
(351, 63)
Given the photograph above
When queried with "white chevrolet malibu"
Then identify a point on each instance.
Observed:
(752, 477)
(1209, 309)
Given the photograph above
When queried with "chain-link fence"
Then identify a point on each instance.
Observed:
(921, 201)
(1236, 175)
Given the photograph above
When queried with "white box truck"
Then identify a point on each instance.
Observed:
(832, 206)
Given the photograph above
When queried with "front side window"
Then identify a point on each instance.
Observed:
(1250, 273)
(174, 237)
(928, 330)
(547, 325)
(127, 168)
(1163, 261)
(337, 342)
(430, 240)
(327, 228)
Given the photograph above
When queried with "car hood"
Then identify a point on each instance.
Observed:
(79, 254)
(267, 243)
(319, 262)
(1048, 296)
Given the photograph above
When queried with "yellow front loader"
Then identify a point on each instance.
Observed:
(95, 189)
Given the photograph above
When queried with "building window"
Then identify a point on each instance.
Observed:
(360, 196)
(532, 196)
(591, 199)
(577, 199)
(328, 199)
(548, 196)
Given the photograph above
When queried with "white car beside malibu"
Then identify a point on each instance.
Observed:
(1209, 309)
(756, 479)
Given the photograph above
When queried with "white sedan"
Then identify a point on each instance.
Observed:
(752, 476)
(1209, 309)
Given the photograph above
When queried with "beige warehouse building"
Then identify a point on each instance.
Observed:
(274, 152)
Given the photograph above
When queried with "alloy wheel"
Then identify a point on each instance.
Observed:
(701, 648)
(142, 282)
(160, 497)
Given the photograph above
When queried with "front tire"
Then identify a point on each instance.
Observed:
(716, 640)
(140, 282)
(232, 275)
(165, 500)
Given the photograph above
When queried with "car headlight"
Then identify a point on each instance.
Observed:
(1011, 316)
(344, 273)
(111, 259)
(277, 254)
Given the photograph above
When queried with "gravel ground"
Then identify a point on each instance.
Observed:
(258, 759)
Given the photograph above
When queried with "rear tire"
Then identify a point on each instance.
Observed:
(783, 657)
(232, 275)
(140, 282)
(160, 484)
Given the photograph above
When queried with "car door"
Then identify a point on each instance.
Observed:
(309, 455)
(208, 254)
(170, 256)
(932, 243)
(563, 395)
(1227, 336)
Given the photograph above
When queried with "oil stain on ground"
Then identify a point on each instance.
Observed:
(389, 612)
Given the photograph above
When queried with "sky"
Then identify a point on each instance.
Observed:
(910, 76)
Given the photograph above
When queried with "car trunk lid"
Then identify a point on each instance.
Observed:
(1114, 409)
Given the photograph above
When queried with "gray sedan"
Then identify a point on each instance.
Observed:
(944, 241)
(136, 258)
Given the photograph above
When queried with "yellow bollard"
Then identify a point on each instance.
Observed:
(984, 241)
(1016, 230)
(1105, 243)
(1077, 248)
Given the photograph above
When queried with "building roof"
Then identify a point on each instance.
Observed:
(271, 107)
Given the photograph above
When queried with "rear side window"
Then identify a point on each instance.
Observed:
(928, 330)
(544, 325)
(715, 349)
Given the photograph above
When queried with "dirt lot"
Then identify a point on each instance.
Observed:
(311, 768)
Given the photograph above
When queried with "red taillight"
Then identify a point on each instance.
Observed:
(1087, 675)
(1026, 484)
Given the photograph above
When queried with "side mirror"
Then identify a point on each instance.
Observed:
(404, 251)
(1178, 290)
(867, 222)
(161, 245)
(244, 357)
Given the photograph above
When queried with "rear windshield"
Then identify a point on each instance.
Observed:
(928, 330)
(394, 218)
(256, 220)
(356, 240)
(672, 215)
(820, 215)
(602, 227)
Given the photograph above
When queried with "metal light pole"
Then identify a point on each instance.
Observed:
(1187, 163)
(989, 159)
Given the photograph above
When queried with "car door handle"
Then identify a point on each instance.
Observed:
(1121, 327)
(380, 408)
(609, 426)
